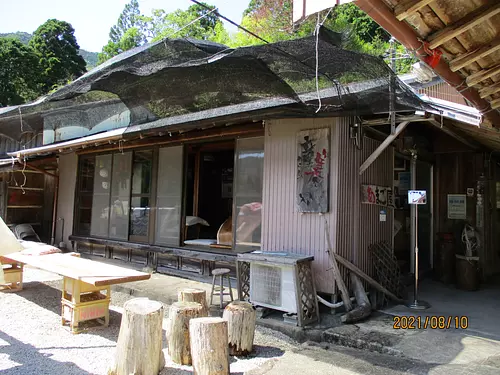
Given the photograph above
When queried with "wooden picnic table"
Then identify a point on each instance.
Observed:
(86, 292)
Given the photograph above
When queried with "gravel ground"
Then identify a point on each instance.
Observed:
(33, 341)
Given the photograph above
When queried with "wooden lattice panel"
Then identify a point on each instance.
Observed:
(309, 310)
(243, 274)
(387, 268)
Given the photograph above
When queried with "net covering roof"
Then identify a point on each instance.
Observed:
(186, 79)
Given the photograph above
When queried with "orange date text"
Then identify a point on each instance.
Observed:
(430, 322)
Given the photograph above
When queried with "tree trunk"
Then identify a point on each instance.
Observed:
(178, 330)
(194, 295)
(240, 318)
(139, 346)
(364, 308)
(209, 346)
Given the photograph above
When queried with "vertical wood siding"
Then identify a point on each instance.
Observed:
(351, 225)
(359, 224)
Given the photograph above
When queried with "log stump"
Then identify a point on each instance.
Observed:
(194, 295)
(139, 346)
(209, 346)
(240, 317)
(178, 330)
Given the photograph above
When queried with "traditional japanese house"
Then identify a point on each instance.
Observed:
(182, 154)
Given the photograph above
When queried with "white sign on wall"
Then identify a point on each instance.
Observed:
(457, 206)
(417, 197)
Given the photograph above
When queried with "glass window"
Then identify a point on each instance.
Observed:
(142, 166)
(169, 196)
(120, 196)
(100, 203)
(139, 216)
(143, 162)
(249, 170)
(83, 210)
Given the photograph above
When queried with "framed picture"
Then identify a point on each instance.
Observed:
(399, 164)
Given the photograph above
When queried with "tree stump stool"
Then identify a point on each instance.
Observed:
(209, 346)
(240, 317)
(194, 295)
(180, 314)
(139, 346)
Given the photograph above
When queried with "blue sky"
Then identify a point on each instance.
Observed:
(92, 19)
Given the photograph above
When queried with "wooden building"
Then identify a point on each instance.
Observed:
(187, 192)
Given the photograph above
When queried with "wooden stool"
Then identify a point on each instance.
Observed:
(221, 272)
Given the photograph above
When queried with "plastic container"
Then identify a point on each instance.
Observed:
(467, 272)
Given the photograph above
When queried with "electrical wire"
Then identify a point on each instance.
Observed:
(192, 22)
(334, 81)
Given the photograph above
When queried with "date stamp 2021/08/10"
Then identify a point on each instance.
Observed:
(432, 322)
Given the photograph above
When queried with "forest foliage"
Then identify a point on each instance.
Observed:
(271, 20)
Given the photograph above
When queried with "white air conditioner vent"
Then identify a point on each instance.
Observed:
(273, 286)
(266, 284)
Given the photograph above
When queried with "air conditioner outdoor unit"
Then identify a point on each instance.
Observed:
(279, 281)
(273, 286)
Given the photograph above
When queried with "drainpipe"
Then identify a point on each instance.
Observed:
(383, 15)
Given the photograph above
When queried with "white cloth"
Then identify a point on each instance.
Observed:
(193, 220)
(8, 244)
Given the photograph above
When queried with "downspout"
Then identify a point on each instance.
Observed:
(382, 14)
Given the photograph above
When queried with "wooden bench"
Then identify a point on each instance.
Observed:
(86, 289)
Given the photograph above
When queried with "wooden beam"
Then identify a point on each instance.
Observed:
(452, 134)
(472, 19)
(495, 104)
(367, 278)
(483, 75)
(471, 57)
(490, 90)
(407, 8)
(382, 147)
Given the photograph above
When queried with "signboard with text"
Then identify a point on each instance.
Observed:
(417, 197)
(457, 206)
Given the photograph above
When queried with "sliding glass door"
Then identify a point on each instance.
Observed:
(169, 196)
(248, 183)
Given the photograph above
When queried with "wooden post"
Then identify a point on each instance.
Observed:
(367, 278)
(344, 293)
(178, 330)
(364, 309)
(209, 346)
(194, 295)
(240, 317)
(139, 346)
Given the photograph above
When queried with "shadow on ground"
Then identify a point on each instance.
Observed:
(38, 363)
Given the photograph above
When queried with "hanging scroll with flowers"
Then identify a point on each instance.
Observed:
(313, 170)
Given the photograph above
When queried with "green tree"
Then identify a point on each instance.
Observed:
(130, 39)
(129, 18)
(196, 22)
(129, 32)
(19, 71)
(55, 44)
